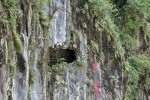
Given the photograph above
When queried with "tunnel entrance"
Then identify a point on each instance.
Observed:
(61, 55)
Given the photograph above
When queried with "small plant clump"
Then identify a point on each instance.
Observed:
(31, 76)
(81, 64)
(94, 46)
(75, 33)
(17, 43)
(58, 68)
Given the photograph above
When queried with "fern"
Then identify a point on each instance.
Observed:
(136, 66)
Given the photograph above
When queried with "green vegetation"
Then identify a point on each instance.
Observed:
(31, 76)
(39, 8)
(17, 42)
(127, 22)
(13, 13)
(58, 68)
(90, 84)
(2, 20)
(138, 69)
(81, 64)
(121, 20)
(75, 33)
(12, 67)
(102, 14)
(94, 46)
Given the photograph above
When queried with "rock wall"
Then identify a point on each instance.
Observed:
(29, 29)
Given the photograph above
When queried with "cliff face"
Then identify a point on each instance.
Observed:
(73, 50)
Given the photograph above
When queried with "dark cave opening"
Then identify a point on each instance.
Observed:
(61, 55)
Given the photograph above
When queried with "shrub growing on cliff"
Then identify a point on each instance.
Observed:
(102, 14)
(81, 64)
(59, 68)
(137, 68)
(17, 42)
(12, 14)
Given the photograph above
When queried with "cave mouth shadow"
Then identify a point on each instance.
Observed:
(61, 55)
